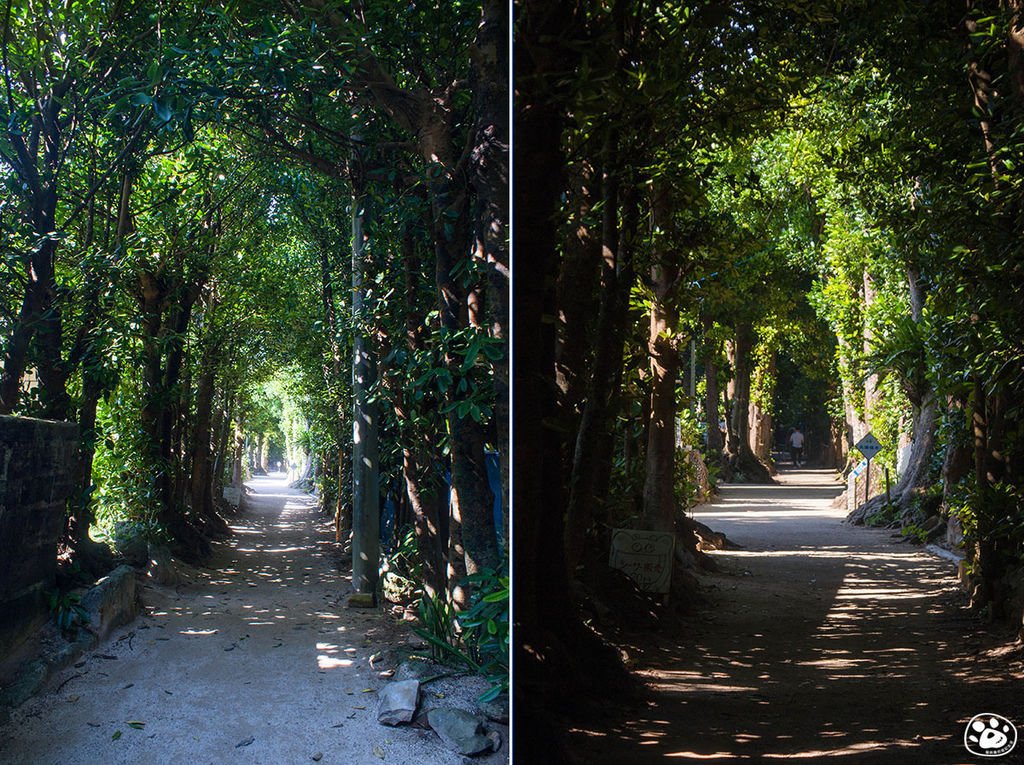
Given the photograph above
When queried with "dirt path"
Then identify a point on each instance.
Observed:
(255, 661)
(824, 642)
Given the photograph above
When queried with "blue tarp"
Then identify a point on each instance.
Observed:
(389, 508)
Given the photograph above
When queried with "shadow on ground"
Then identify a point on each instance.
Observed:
(823, 641)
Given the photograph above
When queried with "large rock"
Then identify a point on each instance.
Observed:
(398, 702)
(113, 601)
(461, 731)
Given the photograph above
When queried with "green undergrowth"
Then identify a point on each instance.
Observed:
(476, 640)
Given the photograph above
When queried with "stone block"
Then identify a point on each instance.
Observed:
(113, 601)
(397, 702)
(461, 731)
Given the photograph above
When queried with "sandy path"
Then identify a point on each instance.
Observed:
(256, 661)
(824, 642)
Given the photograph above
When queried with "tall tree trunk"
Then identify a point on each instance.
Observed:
(579, 291)
(222, 431)
(626, 244)
(40, 316)
(741, 458)
(424, 489)
(489, 178)
(871, 393)
(592, 435)
(659, 476)
(924, 423)
(473, 543)
(716, 440)
(201, 481)
(541, 607)
(365, 423)
(238, 453)
(762, 432)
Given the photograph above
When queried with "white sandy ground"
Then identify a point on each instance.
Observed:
(255, 660)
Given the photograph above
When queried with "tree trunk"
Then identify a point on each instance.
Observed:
(365, 424)
(659, 475)
(762, 432)
(473, 543)
(871, 393)
(924, 424)
(541, 607)
(424, 489)
(238, 453)
(201, 482)
(626, 244)
(716, 440)
(580, 295)
(741, 458)
(489, 179)
(598, 389)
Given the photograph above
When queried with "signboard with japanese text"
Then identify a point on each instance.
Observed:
(869, 446)
(645, 556)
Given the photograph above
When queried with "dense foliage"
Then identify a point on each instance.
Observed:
(739, 218)
(245, 236)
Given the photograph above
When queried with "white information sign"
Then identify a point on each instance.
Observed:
(646, 556)
(869, 446)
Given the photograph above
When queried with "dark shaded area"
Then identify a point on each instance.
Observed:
(851, 647)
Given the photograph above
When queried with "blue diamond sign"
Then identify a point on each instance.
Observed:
(869, 446)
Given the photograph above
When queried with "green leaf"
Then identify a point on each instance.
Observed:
(162, 110)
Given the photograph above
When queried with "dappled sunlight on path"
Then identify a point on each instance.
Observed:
(255, 659)
(821, 641)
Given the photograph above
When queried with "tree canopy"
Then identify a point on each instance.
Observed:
(741, 218)
(241, 236)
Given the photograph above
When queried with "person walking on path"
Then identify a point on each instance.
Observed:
(796, 445)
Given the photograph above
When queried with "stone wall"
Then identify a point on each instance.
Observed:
(38, 471)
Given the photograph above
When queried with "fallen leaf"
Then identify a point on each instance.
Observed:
(116, 736)
(73, 698)
(378, 752)
(137, 724)
(359, 707)
(367, 690)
